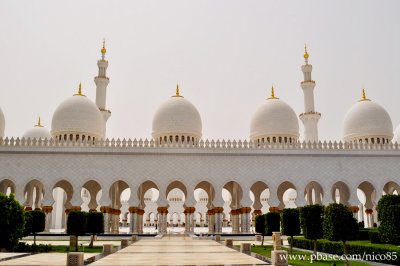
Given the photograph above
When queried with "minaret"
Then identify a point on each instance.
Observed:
(310, 117)
(101, 86)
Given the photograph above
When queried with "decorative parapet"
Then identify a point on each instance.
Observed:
(202, 144)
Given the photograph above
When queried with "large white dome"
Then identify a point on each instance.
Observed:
(2, 123)
(77, 117)
(177, 119)
(367, 121)
(396, 137)
(37, 132)
(274, 121)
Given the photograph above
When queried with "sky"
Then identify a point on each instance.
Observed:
(225, 55)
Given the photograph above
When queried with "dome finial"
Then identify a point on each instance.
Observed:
(273, 93)
(306, 55)
(177, 91)
(363, 96)
(104, 50)
(38, 123)
(79, 90)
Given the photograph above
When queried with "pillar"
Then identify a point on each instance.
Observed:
(189, 226)
(48, 211)
(133, 226)
(245, 219)
(115, 213)
(369, 217)
(106, 212)
(140, 214)
(274, 209)
(218, 219)
(162, 219)
(354, 210)
(235, 221)
(211, 221)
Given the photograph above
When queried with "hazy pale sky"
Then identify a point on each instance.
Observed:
(224, 54)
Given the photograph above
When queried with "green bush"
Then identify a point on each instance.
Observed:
(332, 247)
(389, 216)
(95, 225)
(363, 234)
(76, 225)
(273, 222)
(290, 223)
(374, 237)
(11, 222)
(311, 219)
(41, 248)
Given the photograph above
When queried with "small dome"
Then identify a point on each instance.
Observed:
(367, 121)
(37, 132)
(177, 119)
(274, 121)
(396, 137)
(2, 123)
(77, 117)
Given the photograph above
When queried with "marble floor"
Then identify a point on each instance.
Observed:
(54, 259)
(177, 250)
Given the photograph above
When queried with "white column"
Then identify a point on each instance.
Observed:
(245, 219)
(218, 216)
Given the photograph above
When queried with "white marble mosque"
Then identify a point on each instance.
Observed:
(175, 178)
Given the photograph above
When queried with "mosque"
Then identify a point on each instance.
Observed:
(177, 179)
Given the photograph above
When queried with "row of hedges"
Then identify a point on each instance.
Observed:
(23, 247)
(383, 254)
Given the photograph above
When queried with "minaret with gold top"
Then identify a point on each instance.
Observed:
(101, 85)
(310, 117)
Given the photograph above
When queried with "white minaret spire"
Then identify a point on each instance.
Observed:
(101, 86)
(310, 117)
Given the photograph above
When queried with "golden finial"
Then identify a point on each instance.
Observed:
(273, 93)
(104, 50)
(363, 96)
(38, 123)
(306, 55)
(79, 90)
(177, 91)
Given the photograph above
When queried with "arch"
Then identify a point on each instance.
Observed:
(236, 192)
(67, 187)
(390, 187)
(313, 192)
(258, 188)
(369, 191)
(33, 192)
(287, 190)
(115, 192)
(6, 185)
(94, 188)
(340, 193)
(209, 189)
(176, 184)
(142, 189)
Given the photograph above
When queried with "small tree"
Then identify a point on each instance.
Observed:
(311, 219)
(11, 222)
(290, 224)
(261, 227)
(273, 220)
(95, 225)
(389, 216)
(340, 225)
(38, 223)
(76, 225)
(28, 223)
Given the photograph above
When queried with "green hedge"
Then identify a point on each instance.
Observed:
(23, 247)
(333, 247)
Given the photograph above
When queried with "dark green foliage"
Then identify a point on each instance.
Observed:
(38, 223)
(375, 237)
(389, 253)
(290, 223)
(11, 222)
(95, 225)
(28, 223)
(273, 220)
(23, 247)
(76, 224)
(339, 223)
(261, 226)
(311, 218)
(389, 216)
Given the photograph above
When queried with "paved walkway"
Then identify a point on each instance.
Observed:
(53, 259)
(177, 250)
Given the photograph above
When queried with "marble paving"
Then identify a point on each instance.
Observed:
(54, 259)
(176, 250)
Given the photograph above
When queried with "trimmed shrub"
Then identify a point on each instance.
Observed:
(261, 226)
(389, 216)
(375, 237)
(290, 223)
(11, 222)
(273, 222)
(311, 219)
(95, 225)
(38, 223)
(23, 247)
(76, 225)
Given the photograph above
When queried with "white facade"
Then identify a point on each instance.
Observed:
(178, 179)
